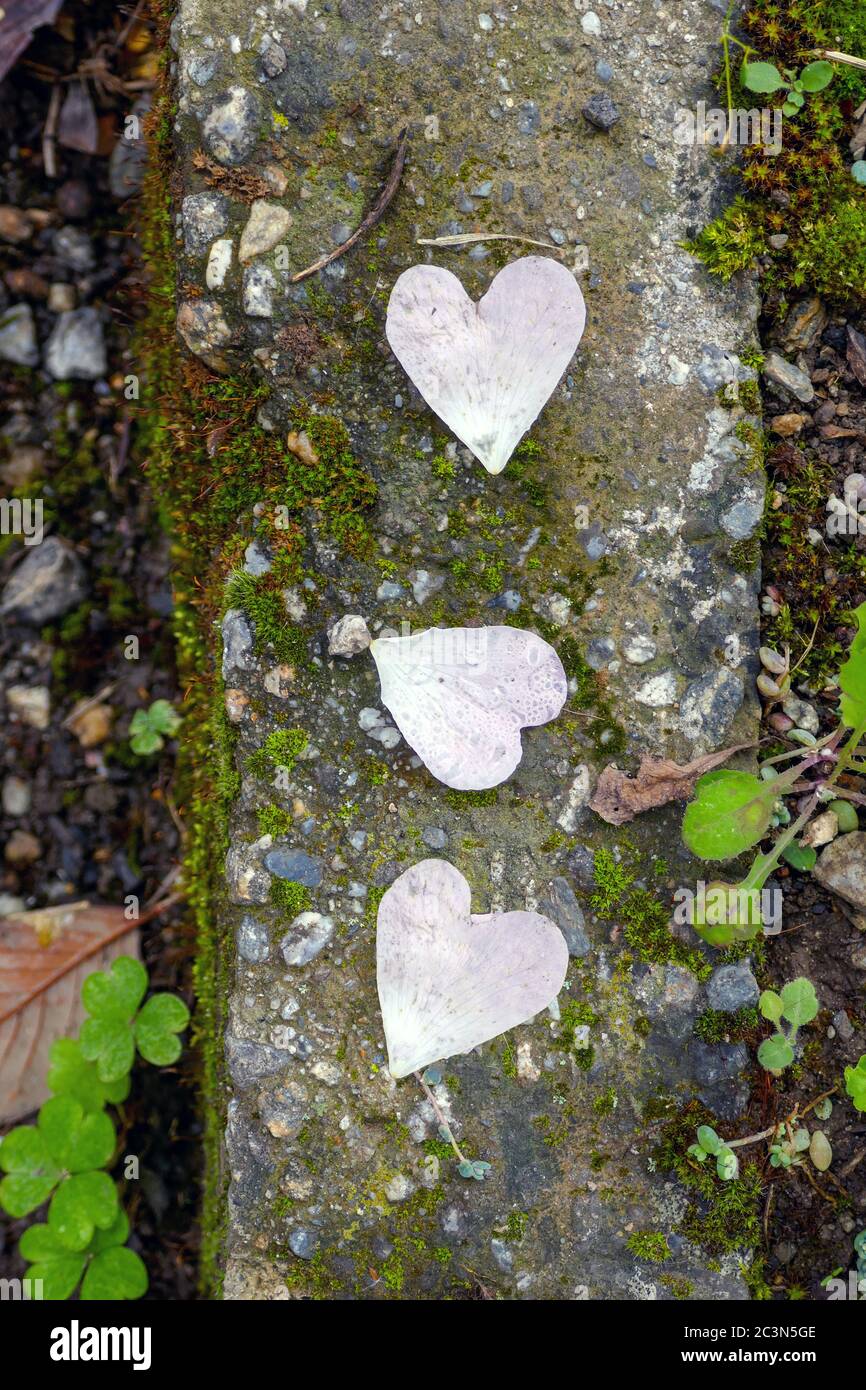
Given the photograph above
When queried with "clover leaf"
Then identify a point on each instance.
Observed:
(157, 1027)
(71, 1074)
(59, 1155)
(32, 1173)
(110, 1035)
(110, 1271)
(80, 1204)
(147, 727)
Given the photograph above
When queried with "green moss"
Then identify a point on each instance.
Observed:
(732, 242)
(509, 1062)
(722, 1217)
(649, 1245)
(264, 605)
(645, 920)
(516, 1225)
(831, 255)
(292, 898)
(605, 1103)
(715, 1026)
(281, 749)
(680, 1287)
(459, 800)
(612, 880)
(274, 821)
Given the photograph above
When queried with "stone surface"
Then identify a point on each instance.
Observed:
(794, 381)
(76, 346)
(47, 583)
(841, 867)
(615, 533)
(732, 987)
(18, 336)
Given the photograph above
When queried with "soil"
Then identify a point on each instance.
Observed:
(103, 817)
(810, 1218)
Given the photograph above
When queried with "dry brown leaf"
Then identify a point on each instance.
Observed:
(44, 959)
(618, 798)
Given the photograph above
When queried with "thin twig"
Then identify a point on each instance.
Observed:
(440, 1117)
(465, 238)
(836, 57)
(49, 162)
(370, 219)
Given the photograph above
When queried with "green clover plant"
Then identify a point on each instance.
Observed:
(62, 1159)
(733, 811)
(149, 728)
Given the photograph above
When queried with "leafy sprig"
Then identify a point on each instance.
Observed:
(62, 1159)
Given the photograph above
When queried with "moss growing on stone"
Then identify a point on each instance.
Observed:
(290, 897)
(649, 1245)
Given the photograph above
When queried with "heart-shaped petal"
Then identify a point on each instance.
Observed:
(487, 369)
(461, 695)
(448, 980)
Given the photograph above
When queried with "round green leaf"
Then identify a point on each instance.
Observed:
(39, 1242)
(727, 1164)
(76, 1140)
(761, 77)
(730, 813)
(114, 1274)
(816, 76)
(855, 1087)
(32, 1172)
(789, 109)
(156, 1027)
(771, 1006)
(799, 1002)
(118, 993)
(70, 1074)
(115, 1234)
(796, 98)
(110, 1044)
(775, 1053)
(802, 858)
(708, 1139)
(59, 1276)
(80, 1204)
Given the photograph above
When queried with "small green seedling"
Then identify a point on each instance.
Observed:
(766, 79)
(786, 1152)
(733, 811)
(709, 1145)
(149, 728)
(855, 1083)
(797, 1004)
(474, 1168)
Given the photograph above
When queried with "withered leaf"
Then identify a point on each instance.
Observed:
(619, 798)
(856, 354)
(78, 128)
(44, 959)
